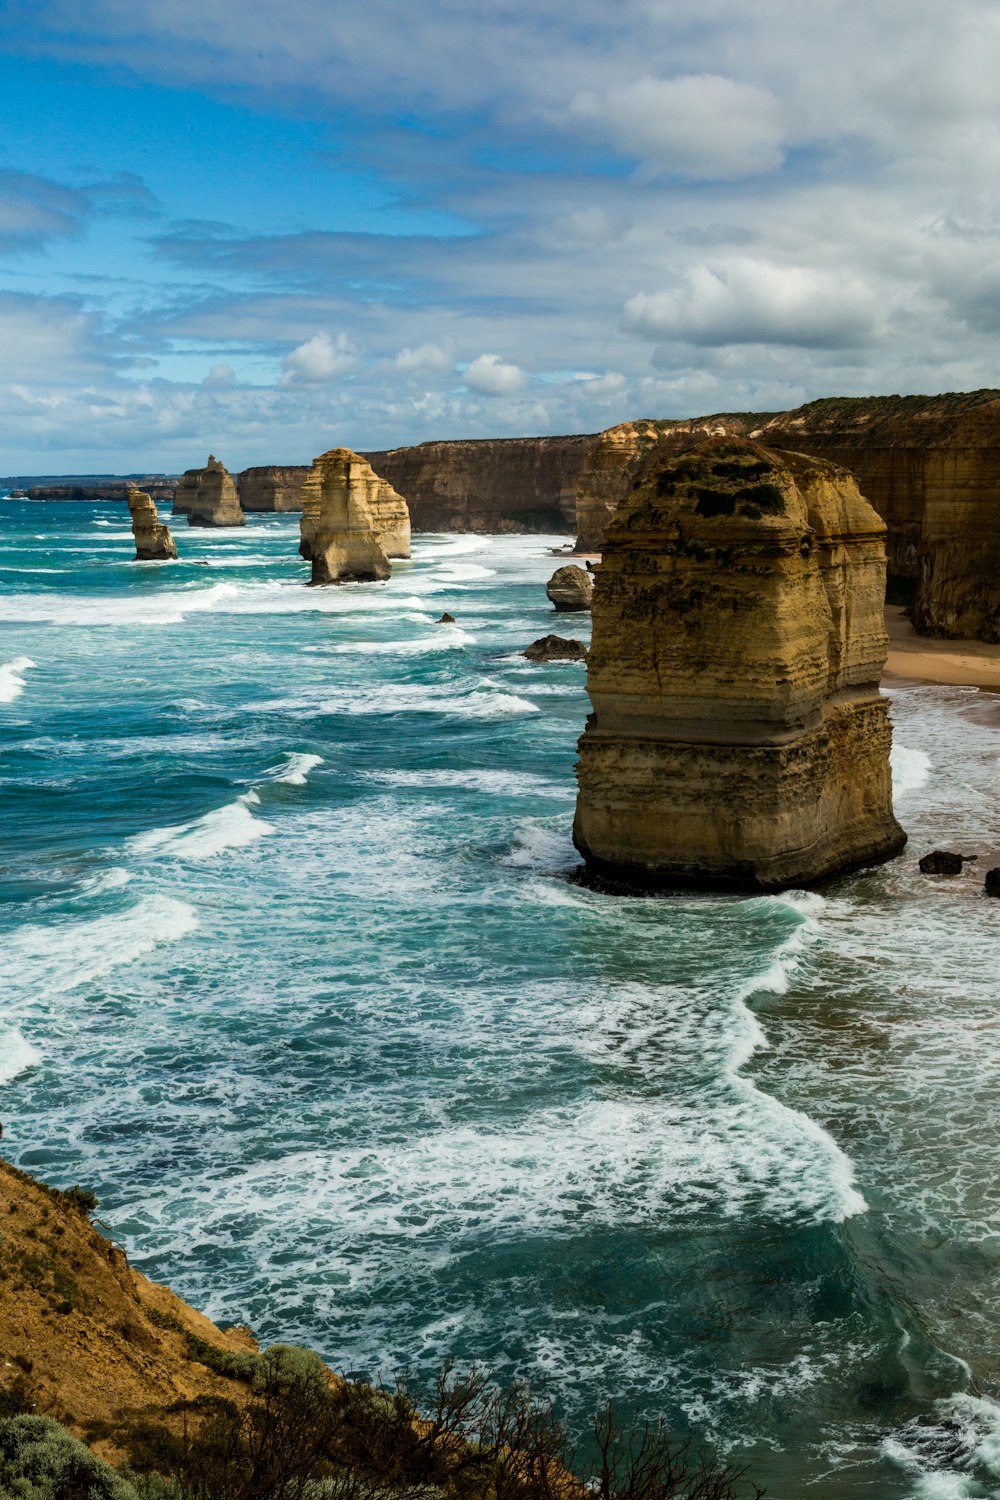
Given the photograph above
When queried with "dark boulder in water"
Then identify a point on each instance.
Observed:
(556, 648)
(446, 619)
(991, 884)
(943, 862)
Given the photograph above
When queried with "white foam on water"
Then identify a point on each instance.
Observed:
(104, 523)
(17, 1055)
(457, 548)
(298, 764)
(62, 955)
(449, 638)
(482, 701)
(548, 850)
(956, 1456)
(231, 827)
(108, 880)
(911, 770)
(462, 572)
(12, 677)
(500, 783)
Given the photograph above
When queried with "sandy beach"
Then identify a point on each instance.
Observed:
(925, 659)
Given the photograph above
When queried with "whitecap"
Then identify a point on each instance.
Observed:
(231, 827)
(108, 880)
(538, 847)
(61, 955)
(911, 770)
(447, 639)
(17, 1055)
(956, 1454)
(297, 766)
(462, 572)
(500, 783)
(12, 677)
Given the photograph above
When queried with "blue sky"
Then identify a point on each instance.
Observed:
(267, 231)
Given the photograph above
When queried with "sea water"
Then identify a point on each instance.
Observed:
(295, 978)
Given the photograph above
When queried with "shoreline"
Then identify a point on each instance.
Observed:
(946, 663)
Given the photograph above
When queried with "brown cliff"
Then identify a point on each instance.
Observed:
(153, 542)
(353, 522)
(158, 487)
(488, 485)
(738, 737)
(272, 487)
(623, 454)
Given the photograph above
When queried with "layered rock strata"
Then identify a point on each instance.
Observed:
(153, 542)
(738, 737)
(208, 496)
(353, 522)
(570, 589)
(272, 487)
(156, 485)
(489, 485)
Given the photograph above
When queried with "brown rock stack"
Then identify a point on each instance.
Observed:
(738, 738)
(352, 521)
(213, 501)
(153, 542)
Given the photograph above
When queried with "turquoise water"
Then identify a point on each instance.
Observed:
(295, 979)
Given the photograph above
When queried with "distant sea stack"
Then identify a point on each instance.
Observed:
(353, 522)
(738, 738)
(153, 542)
(514, 485)
(208, 496)
(272, 487)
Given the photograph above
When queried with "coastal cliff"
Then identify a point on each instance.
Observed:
(158, 487)
(621, 456)
(488, 485)
(353, 522)
(738, 737)
(272, 487)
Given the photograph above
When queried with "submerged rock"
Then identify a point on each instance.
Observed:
(153, 542)
(353, 522)
(556, 648)
(991, 884)
(738, 737)
(212, 501)
(943, 862)
(446, 619)
(570, 588)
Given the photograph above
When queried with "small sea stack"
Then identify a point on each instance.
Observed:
(570, 589)
(208, 496)
(153, 542)
(738, 738)
(353, 522)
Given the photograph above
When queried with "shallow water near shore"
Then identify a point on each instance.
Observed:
(296, 981)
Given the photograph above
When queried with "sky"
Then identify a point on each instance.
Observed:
(270, 229)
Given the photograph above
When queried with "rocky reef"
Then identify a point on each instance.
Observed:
(738, 738)
(488, 485)
(153, 542)
(570, 588)
(353, 522)
(272, 487)
(208, 496)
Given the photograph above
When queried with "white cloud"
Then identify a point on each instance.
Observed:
(491, 377)
(702, 125)
(318, 360)
(219, 378)
(430, 359)
(754, 302)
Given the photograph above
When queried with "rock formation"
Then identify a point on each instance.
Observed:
(623, 454)
(570, 588)
(157, 486)
(944, 862)
(353, 522)
(272, 487)
(153, 542)
(738, 737)
(209, 496)
(991, 885)
(488, 485)
(556, 648)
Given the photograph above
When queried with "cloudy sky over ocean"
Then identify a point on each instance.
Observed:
(268, 229)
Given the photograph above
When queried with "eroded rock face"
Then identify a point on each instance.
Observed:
(556, 648)
(153, 542)
(213, 500)
(570, 588)
(272, 487)
(488, 484)
(738, 737)
(353, 522)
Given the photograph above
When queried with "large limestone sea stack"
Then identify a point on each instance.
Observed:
(153, 542)
(738, 738)
(353, 522)
(208, 496)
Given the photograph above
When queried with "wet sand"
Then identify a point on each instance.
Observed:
(925, 659)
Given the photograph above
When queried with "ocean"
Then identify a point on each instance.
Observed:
(297, 980)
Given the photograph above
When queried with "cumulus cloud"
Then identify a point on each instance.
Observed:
(318, 360)
(430, 359)
(702, 125)
(219, 378)
(490, 376)
(753, 302)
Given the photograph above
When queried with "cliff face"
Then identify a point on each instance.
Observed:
(738, 737)
(153, 542)
(500, 485)
(352, 521)
(156, 486)
(623, 454)
(271, 487)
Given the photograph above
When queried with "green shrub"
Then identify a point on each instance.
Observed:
(39, 1460)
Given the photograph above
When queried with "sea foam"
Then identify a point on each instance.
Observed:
(61, 956)
(12, 677)
(17, 1055)
(231, 827)
(298, 764)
